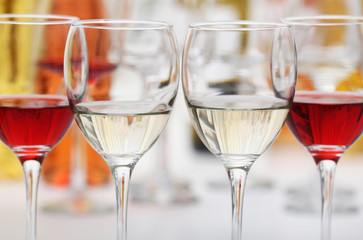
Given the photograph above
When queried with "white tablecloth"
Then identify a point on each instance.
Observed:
(265, 209)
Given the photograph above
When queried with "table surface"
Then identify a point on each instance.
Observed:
(266, 211)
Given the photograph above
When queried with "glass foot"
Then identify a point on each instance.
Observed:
(173, 193)
(303, 201)
(79, 204)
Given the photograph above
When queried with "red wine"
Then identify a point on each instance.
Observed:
(31, 125)
(326, 123)
(96, 70)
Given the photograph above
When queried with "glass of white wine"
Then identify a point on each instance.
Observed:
(121, 114)
(239, 82)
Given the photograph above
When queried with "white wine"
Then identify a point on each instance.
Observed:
(121, 130)
(237, 128)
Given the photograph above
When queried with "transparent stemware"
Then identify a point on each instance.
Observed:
(238, 81)
(326, 114)
(122, 114)
(34, 112)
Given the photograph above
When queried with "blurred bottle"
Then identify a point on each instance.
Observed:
(315, 7)
(10, 167)
(241, 7)
(57, 168)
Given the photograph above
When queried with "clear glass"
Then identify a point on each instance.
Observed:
(34, 111)
(121, 79)
(238, 81)
(326, 114)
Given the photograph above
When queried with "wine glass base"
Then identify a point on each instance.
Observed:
(302, 201)
(173, 193)
(260, 183)
(77, 205)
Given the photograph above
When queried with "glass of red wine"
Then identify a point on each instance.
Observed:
(34, 110)
(326, 115)
(122, 114)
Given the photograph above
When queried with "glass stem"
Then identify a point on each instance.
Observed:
(78, 168)
(327, 172)
(121, 175)
(238, 177)
(31, 170)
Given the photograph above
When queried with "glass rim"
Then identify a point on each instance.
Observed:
(243, 25)
(309, 20)
(61, 19)
(140, 25)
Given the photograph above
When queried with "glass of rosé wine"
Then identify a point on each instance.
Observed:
(34, 110)
(326, 114)
(238, 81)
(121, 115)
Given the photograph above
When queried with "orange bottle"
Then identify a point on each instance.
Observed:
(58, 165)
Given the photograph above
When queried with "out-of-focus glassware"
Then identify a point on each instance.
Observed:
(165, 182)
(64, 156)
(74, 162)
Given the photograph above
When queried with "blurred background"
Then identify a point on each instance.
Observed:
(178, 189)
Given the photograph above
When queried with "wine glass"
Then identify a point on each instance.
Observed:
(132, 106)
(239, 81)
(34, 111)
(326, 115)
